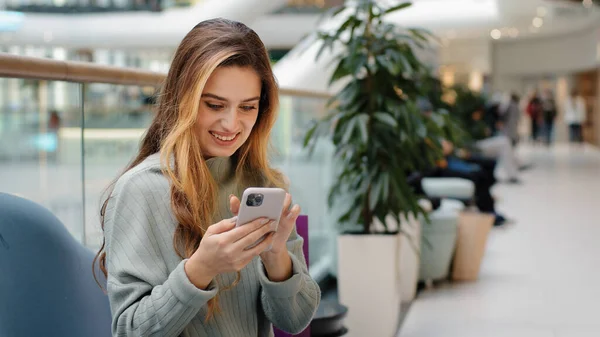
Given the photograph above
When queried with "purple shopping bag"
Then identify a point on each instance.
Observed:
(302, 229)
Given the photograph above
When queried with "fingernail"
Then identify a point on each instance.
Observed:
(265, 221)
(231, 195)
(291, 215)
(234, 219)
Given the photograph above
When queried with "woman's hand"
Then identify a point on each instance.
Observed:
(287, 222)
(223, 249)
(277, 260)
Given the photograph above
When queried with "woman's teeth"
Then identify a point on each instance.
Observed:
(223, 137)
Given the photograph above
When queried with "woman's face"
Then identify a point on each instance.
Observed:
(228, 110)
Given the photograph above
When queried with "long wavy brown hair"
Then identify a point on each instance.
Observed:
(211, 44)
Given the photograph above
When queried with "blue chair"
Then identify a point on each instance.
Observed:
(46, 282)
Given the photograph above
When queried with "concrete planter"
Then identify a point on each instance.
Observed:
(410, 249)
(439, 241)
(368, 283)
(473, 230)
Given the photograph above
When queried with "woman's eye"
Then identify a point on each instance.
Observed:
(215, 107)
(248, 108)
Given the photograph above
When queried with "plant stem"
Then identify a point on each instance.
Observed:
(367, 215)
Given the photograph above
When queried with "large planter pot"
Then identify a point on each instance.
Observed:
(410, 249)
(473, 230)
(439, 241)
(368, 283)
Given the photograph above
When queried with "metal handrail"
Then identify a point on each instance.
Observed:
(17, 66)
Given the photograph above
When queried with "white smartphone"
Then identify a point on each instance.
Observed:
(261, 202)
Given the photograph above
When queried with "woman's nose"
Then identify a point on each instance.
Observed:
(230, 119)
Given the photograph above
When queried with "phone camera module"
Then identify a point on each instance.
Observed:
(254, 200)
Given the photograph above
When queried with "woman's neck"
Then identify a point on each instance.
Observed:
(220, 168)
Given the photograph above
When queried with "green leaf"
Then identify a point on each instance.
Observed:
(386, 118)
(420, 34)
(398, 7)
(385, 182)
(375, 195)
(349, 130)
(340, 72)
(352, 20)
(327, 43)
(330, 13)
(362, 124)
(309, 134)
(391, 67)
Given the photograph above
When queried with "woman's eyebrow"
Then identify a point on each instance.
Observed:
(226, 100)
(257, 98)
(215, 97)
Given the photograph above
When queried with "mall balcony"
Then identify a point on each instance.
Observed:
(79, 86)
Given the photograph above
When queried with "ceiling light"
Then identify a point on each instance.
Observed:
(496, 34)
(513, 32)
(588, 3)
(538, 22)
(542, 11)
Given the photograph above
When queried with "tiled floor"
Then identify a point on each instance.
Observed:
(541, 276)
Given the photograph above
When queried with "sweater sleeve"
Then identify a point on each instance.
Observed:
(145, 298)
(290, 305)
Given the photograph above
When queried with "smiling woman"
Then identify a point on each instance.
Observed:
(176, 264)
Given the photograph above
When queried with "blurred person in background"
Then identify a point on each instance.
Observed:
(511, 118)
(52, 141)
(534, 111)
(548, 115)
(479, 170)
(496, 146)
(575, 116)
(54, 121)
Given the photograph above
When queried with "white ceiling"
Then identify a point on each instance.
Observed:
(450, 19)
(518, 15)
(454, 20)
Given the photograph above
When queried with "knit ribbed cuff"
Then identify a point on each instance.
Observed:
(285, 289)
(186, 292)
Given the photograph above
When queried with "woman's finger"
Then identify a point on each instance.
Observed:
(234, 204)
(251, 238)
(261, 247)
(286, 204)
(245, 229)
(293, 213)
(222, 226)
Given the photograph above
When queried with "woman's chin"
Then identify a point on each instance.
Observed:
(219, 152)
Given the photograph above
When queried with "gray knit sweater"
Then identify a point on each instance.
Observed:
(149, 292)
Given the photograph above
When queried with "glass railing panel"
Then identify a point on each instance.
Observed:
(116, 117)
(310, 176)
(63, 153)
(40, 155)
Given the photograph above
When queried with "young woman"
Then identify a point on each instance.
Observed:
(176, 264)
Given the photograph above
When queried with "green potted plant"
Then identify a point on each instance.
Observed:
(468, 109)
(380, 137)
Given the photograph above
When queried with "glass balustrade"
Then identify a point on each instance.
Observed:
(63, 143)
(35, 161)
